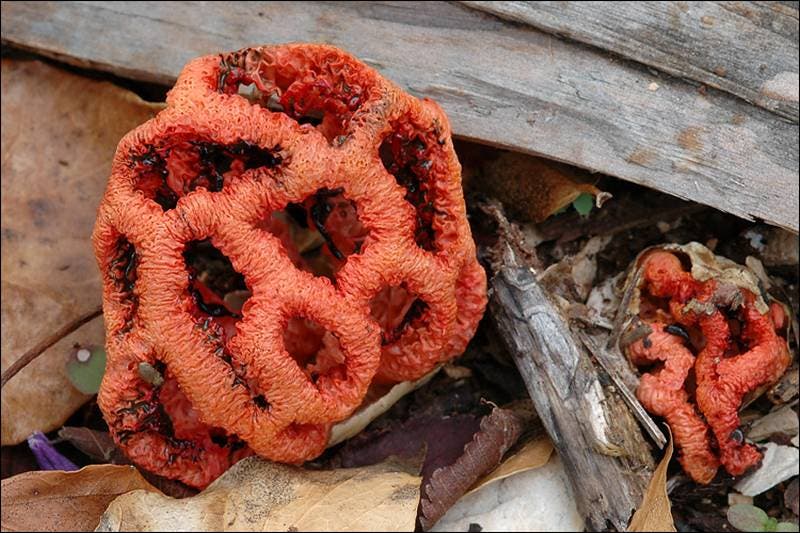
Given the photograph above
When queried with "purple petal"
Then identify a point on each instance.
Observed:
(46, 455)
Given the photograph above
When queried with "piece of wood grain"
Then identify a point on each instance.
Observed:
(748, 49)
(501, 83)
(604, 453)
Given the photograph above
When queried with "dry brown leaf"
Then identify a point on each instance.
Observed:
(530, 188)
(499, 432)
(65, 501)
(655, 512)
(534, 454)
(257, 495)
(59, 133)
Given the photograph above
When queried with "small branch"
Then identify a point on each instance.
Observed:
(46, 343)
(605, 455)
(610, 361)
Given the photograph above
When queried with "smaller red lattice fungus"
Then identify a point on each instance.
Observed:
(289, 230)
(738, 350)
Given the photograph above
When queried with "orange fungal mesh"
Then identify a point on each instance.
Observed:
(253, 149)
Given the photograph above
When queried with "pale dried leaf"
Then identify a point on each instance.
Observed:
(257, 495)
(655, 512)
(779, 464)
(534, 454)
(534, 500)
(65, 501)
(783, 420)
(59, 133)
(499, 432)
(603, 300)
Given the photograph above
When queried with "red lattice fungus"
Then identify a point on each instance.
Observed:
(290, 228)
(738, 350)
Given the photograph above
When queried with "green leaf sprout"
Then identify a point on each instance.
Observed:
(746, 517)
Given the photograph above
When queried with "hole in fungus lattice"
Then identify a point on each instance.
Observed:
(315, 349)
(122, 271)
(217, 289)
(180, 166)
(395, 309)
(409, 160)
(320, 233)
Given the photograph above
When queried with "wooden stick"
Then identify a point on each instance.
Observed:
(606, 457)
(46, 343)
(613, 363)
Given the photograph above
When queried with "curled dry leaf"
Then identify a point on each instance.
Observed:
(779, 464)
(97, 445)
(256, 495)
(655, 512)
(499, 432)
(65, 501)
(441, 441)
(530, 187)
(533, 454)
(59, 133)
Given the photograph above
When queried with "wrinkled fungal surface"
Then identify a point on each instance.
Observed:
(288, 230)
(713, 338)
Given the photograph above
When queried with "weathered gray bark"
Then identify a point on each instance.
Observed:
(748, 49)
(501, 83)
(604, 452)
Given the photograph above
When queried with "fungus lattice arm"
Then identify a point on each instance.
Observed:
(727, 367)
(724, 379)
(662, 393)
